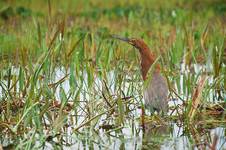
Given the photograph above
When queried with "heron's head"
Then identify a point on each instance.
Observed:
(137, 43)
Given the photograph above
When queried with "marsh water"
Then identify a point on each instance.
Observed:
(104, 133)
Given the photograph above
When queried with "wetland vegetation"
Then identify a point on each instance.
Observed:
(65, 84)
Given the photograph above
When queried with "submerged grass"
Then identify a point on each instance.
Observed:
(64, 81)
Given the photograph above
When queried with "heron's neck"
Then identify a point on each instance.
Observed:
(147, 59)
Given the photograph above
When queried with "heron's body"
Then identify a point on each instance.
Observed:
(155, 94)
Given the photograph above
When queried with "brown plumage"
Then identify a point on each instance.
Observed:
(155, 94)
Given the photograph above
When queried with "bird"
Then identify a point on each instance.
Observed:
(156, 91)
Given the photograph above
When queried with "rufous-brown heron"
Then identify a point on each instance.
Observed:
(156, 92)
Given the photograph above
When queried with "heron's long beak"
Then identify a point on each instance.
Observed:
(128, 40)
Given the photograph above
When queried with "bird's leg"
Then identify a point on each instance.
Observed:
(142, 118)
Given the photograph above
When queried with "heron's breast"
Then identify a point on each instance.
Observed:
(157, 88)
